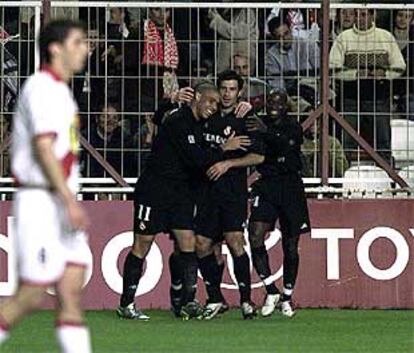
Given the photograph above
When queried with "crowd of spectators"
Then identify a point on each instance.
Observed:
(139, 57)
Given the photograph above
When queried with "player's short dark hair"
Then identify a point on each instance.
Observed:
(55, 32)
(278, 21)
(230, 75)
(203, 86)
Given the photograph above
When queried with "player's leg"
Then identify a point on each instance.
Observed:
(39, 255)
(217, 249)
(293, 222)
(133, 266)
(210, 271)
(27, 298)
(219, 259)
(257, 234)
(176, 274)
(290, 244)
(209, 233)
(220, 263)
(262, 220)
(235, 242)
(260, 256)
(209, 268)
(186, 242)
(71, 331)
(148, 221)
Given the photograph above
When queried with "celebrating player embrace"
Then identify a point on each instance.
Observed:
(164, 201)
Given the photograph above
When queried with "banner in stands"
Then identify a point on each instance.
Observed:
(358, 255)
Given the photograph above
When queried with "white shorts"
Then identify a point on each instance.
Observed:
(44, 243)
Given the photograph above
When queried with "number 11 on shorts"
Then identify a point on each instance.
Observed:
(144, 210)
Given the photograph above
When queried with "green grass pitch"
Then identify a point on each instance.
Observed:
(311, 331)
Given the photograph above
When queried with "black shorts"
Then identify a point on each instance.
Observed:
(162, 205)
(282, 199)
(222, 209)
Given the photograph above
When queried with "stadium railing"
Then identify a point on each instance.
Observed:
(209, 36)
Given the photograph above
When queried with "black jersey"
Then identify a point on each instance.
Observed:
(280, 193)
(222, 206)
(219, 128)
(178, 150)
(283, 155)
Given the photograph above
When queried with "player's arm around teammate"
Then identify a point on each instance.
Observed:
(223, 210)
(163, 198)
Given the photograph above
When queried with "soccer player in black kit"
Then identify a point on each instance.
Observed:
(163, 200)
(222, 210)
(215, 216)
(278, 195)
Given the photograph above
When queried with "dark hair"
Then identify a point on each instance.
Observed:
(127, 15)
(395, 13)
(278, 21)
(109, 104)
(55, 32)
(230, 75)
(203, 86)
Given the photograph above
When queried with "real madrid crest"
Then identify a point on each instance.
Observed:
(227, 131)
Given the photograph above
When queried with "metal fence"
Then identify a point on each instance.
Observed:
(140, 55)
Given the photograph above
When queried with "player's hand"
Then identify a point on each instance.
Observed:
(242, 109)
(236, 143)
(218, 169)
(256, 124)
(76, 215)
(185, 95)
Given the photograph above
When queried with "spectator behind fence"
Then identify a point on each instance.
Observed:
(401, 27)
(236, 30)
(312, 153)
(291, 61)
(151, 62)
(112, 142)
(143, 140)
(118, 31)
(254, 89)
(302, 22)
(4, 134)
(9, 80)
(345, 19)
(69, 13)
(366, 59)
(403, 31)
(89, 85)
